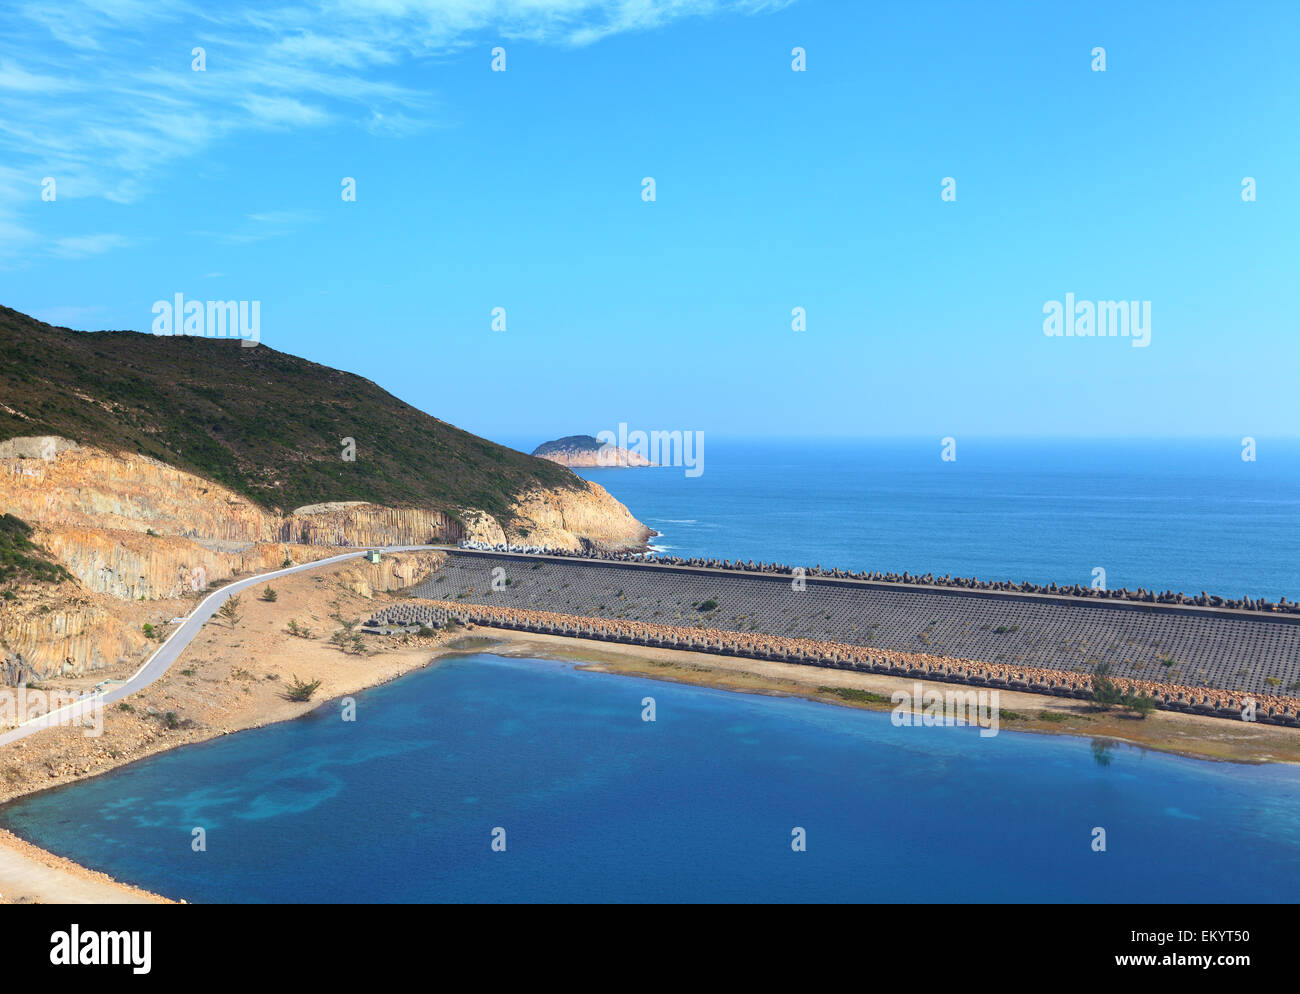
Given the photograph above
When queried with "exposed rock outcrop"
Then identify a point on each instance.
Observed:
(77, 487)
(393, 572)
(573, 519)
(55, 631)
(131, 528)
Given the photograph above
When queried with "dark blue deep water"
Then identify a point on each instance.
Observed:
(698, 806)
(1181, 515)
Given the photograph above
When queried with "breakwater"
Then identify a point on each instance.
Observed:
(1179, 645)
(1141, 595)
(1270, 709)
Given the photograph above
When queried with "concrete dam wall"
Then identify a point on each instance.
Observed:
(1190, 647)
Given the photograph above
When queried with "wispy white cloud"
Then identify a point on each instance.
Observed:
(259, 227)
(284, 112)
(100, 94)
(80, 246)
(282, 217)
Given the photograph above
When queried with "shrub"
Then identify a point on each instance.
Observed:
(300, 690)
(348, 624)
(230, 611)
(269, 595)
(348, 641)
(1105, 693)
(855, 695)
(1139, 704)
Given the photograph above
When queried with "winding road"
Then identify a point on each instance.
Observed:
(157, 664)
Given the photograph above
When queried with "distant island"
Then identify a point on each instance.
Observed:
(584, 450)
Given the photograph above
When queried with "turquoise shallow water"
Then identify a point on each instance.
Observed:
(599, 805)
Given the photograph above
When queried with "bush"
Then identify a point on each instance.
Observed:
(230, 611)
(299, 690)
(1139, 704)
(348, 641)
(855, 695)
(1105, 693)
(269, 595)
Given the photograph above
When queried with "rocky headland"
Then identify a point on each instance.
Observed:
(584, 451)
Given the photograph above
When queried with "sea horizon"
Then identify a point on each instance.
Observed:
(1186, 516)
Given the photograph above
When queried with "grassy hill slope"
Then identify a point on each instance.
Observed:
(265, 424)
(569, 443)
(21, 559)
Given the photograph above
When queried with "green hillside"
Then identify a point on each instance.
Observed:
(265, 424)
(568, 444)
(21, 559)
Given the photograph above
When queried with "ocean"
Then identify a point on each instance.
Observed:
(1179, 515)
(595, 804)
(700, 805)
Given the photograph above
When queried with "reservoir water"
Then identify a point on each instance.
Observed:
(700, 805)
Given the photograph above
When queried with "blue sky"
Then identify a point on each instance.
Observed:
(775, 189)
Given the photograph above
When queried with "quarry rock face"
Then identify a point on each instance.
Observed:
(358, 523)
(129, 527)
(79, 488)
(395, 571)
(57, 631)
(131, 566)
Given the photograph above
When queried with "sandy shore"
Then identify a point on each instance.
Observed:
(1195, 736)
(231, 678)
